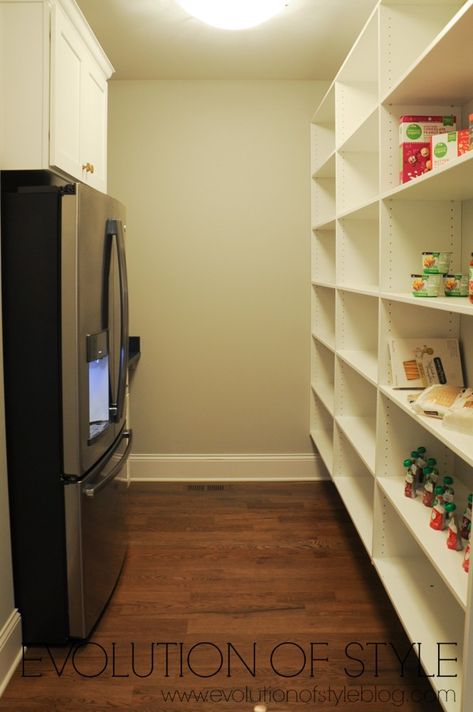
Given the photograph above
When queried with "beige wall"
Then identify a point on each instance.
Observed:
(215, 176)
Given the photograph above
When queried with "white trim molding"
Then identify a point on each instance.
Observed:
(232, 468)
(10, 649)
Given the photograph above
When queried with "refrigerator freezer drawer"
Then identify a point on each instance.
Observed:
(95, 538)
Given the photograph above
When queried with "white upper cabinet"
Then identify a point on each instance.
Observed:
(94, 126)
(53, 76)
(78, 140)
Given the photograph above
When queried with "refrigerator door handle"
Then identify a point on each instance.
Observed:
(92, 491)
(115, 231)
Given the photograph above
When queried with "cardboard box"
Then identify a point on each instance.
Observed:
(415, 133)
(448, 146)
(422, 362)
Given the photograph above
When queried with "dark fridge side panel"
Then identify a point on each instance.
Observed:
(31, 308)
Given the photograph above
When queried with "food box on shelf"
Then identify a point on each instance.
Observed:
(415, 134)
(422, 362)
(448, 146)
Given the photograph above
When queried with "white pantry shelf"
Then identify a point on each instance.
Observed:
(322, 283)
(325, 225)
(364, 139)
(324, 447)
(410, 58)
(416, 517)
(326, 169)
(453, 181)
(406, 36)
(325, 395)
(432, 79)
(360, 431)
(355, 493)
(424, 607)
(459, 443)
(367, 211)
(456, 305)
(325, 112)
(368, 290)
(364, 362)
(328, 343)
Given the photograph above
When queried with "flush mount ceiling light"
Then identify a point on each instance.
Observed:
(233, 14)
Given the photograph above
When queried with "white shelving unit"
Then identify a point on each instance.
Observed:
(367, 237)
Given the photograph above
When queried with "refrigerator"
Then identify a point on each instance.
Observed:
(65, 341)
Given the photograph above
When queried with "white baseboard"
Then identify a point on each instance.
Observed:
(231, 468)
(10, 649)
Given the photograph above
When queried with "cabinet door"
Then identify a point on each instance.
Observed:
(67, 52)
(78, 114)
(93, 121)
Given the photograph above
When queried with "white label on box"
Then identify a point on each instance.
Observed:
(444, 148)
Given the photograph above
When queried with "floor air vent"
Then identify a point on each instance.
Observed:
(202, 488)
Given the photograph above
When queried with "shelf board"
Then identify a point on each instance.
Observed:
(359, 509)
(416, 517)
(366, 289)
(369, 211)
(364, 362)
(326, 169)
(325, 452)
(325, 225)
(325, 112)
(457, 305)
(432, 80)
(325, 342)
(424, 605)
(325, 396)
(321, 283)
(365, 211)
(453, 181)
(459, 443)
(361, 140)
(360, 431)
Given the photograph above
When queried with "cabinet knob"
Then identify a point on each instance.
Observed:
(88, 167)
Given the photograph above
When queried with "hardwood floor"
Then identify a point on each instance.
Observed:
(228, 593)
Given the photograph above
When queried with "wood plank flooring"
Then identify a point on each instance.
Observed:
(225, 598)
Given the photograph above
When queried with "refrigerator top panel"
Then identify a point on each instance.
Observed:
(94, 326)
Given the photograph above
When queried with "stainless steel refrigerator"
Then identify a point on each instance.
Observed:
(65, 340)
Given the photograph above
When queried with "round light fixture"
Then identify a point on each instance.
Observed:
(233, 14)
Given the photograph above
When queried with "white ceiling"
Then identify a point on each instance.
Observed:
(157, 39)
